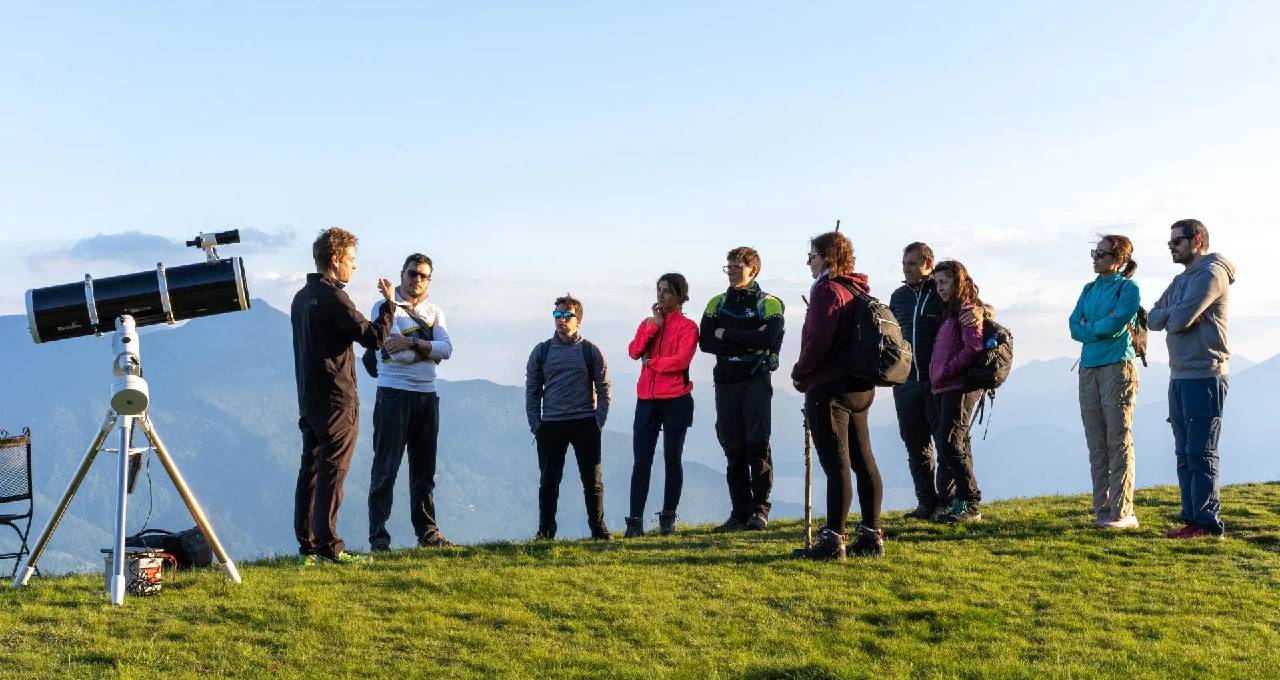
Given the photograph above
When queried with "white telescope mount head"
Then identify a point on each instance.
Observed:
(129, 394)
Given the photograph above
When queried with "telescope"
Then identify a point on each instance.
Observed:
(121, 304)
(162, 295)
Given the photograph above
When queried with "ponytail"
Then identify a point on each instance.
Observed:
(1129, 268)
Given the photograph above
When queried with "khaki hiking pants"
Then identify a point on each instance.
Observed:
(1107, 396)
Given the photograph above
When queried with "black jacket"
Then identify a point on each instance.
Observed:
(325, 323)
(919, 313)
(745, 351)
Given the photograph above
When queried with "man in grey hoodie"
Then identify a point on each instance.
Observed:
(1193, 311)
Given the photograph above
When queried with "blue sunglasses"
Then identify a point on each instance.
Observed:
(557, 314)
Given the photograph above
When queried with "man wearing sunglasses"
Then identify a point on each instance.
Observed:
(566, 396)
(1193, 312)
(407, 410)
(743, 328)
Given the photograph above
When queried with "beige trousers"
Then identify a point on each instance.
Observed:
(1107, 396)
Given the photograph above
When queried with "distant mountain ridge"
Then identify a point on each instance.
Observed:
(224, 400)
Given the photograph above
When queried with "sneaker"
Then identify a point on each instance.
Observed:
(1193, 531)
(347, 558)
(757, 521)
(666, 523)
(829, 546)
(434, 539)
(1126, 522)
(867, 542)
(306, 560)
(962, 512)
(635, 527)
(731, 524)
(922, 511)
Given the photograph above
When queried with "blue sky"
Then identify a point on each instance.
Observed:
(532, 148)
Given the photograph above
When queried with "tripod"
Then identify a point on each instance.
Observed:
(128, 411)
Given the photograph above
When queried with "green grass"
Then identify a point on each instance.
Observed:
(1033, 592)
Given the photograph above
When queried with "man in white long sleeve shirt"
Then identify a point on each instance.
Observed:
(407, 411)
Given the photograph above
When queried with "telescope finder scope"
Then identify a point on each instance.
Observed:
(217, 238)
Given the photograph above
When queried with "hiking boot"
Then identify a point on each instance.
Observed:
(829, 546)
(922, 511)
(1126, 522)
(666, 523)
(731, 524)
(757, 521)
(939, 513)
(306, 560)
(601, 533)
(434, 539)
(345, 558)
(962, 512)
(867, 542)
(544, 534)
(379, 547)
(635, 527)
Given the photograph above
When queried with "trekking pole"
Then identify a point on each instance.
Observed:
(808, 481)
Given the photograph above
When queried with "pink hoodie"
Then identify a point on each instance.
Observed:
(955, 350)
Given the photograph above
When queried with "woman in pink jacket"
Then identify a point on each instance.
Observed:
(664, 344)
(958, 344)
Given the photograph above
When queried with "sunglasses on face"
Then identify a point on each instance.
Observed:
(557, 314)
(1173, 242)
(809, 257)
(732, 268)
(418, 275)
(1099, 254)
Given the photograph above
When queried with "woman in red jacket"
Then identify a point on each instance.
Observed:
(836, 404)
(956, 348)
(664, 344)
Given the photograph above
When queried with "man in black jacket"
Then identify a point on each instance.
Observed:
(919, 312)
(325, 323)
(743, 328)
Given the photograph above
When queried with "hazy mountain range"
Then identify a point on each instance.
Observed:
(224, 400)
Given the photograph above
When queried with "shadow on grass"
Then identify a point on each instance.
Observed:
(803, 672)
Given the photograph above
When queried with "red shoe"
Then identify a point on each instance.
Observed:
(1181, 532)
(1193, 531)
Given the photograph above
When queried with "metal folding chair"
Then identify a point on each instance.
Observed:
(15, 490)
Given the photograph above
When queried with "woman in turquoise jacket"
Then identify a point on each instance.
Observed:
(1102, 322)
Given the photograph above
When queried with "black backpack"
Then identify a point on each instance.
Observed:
(996, 360)
(875, 350)
(589, 356)
(188, 547)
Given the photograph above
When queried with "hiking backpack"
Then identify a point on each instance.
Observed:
(994, 362)
(875, 350)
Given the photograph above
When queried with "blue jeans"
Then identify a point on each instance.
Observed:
(1195, 411)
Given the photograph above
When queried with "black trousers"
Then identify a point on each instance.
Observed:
(917, 419)
(403, 419)
(673, 417)
(838, 423)
(743, 419)
(955, 452)
(328, 442)
(553, 438)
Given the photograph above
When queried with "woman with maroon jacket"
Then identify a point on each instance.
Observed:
(835, 404)
(958, 344)
(665, 344)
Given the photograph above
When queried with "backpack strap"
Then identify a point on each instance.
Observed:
(588, 356)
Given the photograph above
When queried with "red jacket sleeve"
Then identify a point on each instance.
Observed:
(640, 343)
(820, 324)
(686, 346)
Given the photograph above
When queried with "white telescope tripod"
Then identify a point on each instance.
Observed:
(129, 400)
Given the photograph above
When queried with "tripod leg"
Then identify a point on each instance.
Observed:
(189, 498)
(24, 574)
(122, 497)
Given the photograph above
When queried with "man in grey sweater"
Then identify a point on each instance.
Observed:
(1193, 312)
(566, 397)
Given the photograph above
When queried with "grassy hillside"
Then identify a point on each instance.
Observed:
(1033, 592)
